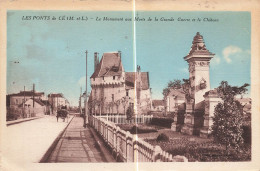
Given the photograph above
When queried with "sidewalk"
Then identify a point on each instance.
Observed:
(8, 123)
(77, 145)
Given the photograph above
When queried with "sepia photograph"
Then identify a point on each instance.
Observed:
(96, 87)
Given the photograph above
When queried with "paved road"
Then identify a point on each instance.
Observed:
(27, 142)
(77, 145)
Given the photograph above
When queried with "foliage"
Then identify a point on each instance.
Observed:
(176, 84)
(162, 137)
(247, 134)
(130, 112)
(140, 130)
(13, 113)
(12, 116)
(228, 116)
(195, 150)
(161, 121)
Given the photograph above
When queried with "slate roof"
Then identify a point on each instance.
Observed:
(158, 103)
(55, 95)
(130, 78)
(110, 65)
(35, 100)
(27, 93)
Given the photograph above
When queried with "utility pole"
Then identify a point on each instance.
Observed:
(23, 101)
(80, 110)
(33, 93)
(57, 102)
(86, 99)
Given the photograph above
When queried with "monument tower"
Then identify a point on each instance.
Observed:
(199, 83)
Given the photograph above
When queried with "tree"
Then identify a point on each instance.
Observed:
(176, 84)
(117, 103)
(130, 112)
(124, 102)
(228, 116)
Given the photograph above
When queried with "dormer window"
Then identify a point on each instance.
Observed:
(114, 68)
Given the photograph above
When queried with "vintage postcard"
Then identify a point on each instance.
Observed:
(138, 86)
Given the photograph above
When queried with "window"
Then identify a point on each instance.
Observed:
(112, 97)
(114, 77)
(93, 79)
(103, 78)
(127, 93)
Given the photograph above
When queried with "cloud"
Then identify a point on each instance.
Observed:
(231, 53)
(215, 60)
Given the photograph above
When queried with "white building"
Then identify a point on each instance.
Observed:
(113, 89)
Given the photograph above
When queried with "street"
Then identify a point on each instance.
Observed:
(28, 141)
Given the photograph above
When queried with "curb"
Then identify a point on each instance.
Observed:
(48, 153)
(109, 158)
(22, 120)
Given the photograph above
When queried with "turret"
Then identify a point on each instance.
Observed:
(96, 60)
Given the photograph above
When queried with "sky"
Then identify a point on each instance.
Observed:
(51, 53)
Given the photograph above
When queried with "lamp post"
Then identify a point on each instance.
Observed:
(86, 99)
(80, 110)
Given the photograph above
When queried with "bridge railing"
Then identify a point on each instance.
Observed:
(127, 147)
(122, 119)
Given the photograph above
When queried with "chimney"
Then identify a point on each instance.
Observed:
(96, 60)
(119, 54)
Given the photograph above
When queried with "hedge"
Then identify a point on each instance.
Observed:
(163, 122)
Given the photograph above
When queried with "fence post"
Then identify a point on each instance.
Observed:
(156, 153)
(135, 152)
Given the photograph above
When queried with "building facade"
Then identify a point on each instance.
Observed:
(113, 89)
(175, 98)
(14, 100)
(158, 105)
(57, 100)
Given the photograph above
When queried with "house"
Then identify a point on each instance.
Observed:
(57, 100)
(33, 107)
(158, 105)
(113, 89)
(174, 98)
(14, 100)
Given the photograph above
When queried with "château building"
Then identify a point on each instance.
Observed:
(113, 89)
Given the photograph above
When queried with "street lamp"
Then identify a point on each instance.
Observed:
(86, 99)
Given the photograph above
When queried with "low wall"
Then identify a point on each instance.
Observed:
(127, 147)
